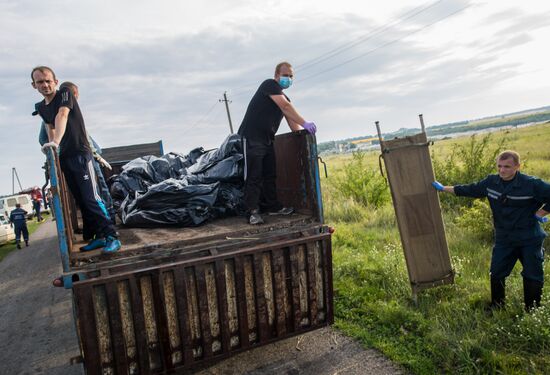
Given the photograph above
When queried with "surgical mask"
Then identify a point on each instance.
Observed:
(285, 82)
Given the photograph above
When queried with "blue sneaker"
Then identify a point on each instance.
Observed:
(96, 243)
(112, 244)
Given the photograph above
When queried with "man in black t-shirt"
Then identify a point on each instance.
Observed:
(67, 134)
(261, 121)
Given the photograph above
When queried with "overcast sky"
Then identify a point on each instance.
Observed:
(156, 70)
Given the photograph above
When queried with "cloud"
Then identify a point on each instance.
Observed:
(142, 80)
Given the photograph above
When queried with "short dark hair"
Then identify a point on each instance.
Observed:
(71, 86)
(43, 69)
(280, 65)
(18, 205)
(509, 154)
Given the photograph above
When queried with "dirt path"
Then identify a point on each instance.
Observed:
(37, 333)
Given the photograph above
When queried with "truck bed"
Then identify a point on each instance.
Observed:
(138, 242)
(174, 299)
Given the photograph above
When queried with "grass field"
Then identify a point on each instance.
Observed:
(450, 331)
(7, 248)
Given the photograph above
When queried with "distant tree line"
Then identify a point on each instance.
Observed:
(450, 128)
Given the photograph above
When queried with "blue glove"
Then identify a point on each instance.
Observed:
(310, 127)
(438, 186)
(541, 219)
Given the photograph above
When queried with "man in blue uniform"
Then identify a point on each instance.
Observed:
(67, 135)
(18, 218)
(260, 123)
(519, 204)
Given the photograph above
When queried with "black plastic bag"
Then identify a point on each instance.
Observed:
(182, 190)
(183, 217)
(179, 163)
(226, 170)
(230, 201)
(231, 146)
(170, 202)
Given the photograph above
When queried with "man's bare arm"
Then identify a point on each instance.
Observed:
(294, 126)
(288, 110)
(49, 131)
(60, 124)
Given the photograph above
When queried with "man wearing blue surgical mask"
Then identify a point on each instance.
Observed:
(261, 121)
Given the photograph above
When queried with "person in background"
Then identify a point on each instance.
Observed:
(18, 217)
(519, 204)
(261, 121)
(36, 197)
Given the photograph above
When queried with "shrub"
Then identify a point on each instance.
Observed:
(467, 163)
(364, 186)
(477, 220)
(345, 210)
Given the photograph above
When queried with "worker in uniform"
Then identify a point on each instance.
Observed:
(519, 203)
(260, 123)
(18, 217)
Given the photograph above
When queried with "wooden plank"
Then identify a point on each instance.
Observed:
(115, 323)
(329, 291)
(202, 293)
(180, 285)
(159, 302)
(279, 290)
(139, 326)
(222, 305)
(68, 210)
(311, 283)
(241, 297)
(295, 283)
(83, 297)
(261, 308)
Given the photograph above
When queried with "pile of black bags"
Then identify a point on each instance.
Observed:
(181, 190)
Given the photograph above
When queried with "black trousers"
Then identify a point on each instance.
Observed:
(21, 229)
(36, 206)
(260, 191)
(80, 175)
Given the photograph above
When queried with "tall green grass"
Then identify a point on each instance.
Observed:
(450, 330)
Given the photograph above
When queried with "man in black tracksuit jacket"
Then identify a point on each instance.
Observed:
(518, 203)
(260, 123)
(67, 135)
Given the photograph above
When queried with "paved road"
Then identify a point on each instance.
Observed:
(37, 333)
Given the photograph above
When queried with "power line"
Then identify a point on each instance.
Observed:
(384, 45)
(214, 116)
(336, 51)
(204, 117)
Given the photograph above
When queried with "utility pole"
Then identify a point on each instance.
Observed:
(227, 109)
(14, 175)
